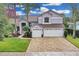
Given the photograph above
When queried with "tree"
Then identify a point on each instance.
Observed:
(27, 30)
(5, 26)
(1, 30)
(28, 7)
(3, 20)
(74, 17)
(66, 19)
(9, 28)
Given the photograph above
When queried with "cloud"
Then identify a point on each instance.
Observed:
(52, 4)
(20, 13)
(61, 11)
(22, 8)
(17, 5)
(37, 9)
(34, 12)
(44, 9)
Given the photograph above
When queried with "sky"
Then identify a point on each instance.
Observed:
(57, 7)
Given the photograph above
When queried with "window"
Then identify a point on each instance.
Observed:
(46, 19)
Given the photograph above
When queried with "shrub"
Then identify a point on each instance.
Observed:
(65, 33)
(27, 31)
(1, 37)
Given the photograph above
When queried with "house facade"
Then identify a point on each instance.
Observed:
(48, 24)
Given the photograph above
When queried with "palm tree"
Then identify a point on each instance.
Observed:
(28, 7)
(15, 16)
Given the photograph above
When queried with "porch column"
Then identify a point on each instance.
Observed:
(20, 28)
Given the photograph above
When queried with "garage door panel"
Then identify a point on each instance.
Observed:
(36, 33)
(53, 32)
(47, 32)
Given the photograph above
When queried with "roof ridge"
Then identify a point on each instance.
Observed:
(51, 11)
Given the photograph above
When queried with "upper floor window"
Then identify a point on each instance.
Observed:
(46, 19)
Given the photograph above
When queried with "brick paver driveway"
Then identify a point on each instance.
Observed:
(49, 45)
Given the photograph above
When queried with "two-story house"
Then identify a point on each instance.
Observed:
(48, 24)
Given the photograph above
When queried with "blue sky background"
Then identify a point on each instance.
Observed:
(57, 7)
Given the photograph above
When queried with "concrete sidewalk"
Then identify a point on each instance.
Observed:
(52, 54)
(39, 54)
(12, 53)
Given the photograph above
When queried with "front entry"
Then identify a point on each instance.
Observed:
(23, 24)
(21, 27)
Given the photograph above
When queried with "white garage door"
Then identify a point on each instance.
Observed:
(53, 32)
(36, 33)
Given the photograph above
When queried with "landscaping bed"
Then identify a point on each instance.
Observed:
(73, 41)
(14, 45)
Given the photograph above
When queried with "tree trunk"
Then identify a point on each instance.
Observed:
(15, 26)
(15, 18)
(27, 20)
(74, 33)
(74, 29)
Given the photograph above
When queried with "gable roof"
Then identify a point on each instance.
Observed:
(51, 13)
(35, 18)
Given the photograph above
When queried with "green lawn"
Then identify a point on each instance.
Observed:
(73, 41)
(14, 45)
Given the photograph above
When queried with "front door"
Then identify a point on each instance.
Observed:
(23, 24)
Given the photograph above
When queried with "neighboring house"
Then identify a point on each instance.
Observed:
(11, 13)
(70, 25)
(48, 24)
(70, 28)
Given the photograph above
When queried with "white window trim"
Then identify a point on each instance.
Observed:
(46, 22)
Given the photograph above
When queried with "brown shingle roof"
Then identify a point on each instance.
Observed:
(32, 18)
(35, 18)
(52, 25)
